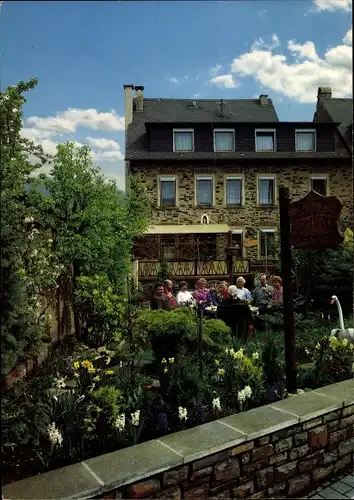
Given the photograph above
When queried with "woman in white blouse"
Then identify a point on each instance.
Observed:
(184, 297)
(243, 293)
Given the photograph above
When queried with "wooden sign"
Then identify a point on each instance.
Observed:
(251, 243)
(314, 221)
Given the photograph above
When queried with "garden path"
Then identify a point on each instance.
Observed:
(339, 489)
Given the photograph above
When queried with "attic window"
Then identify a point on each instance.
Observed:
(183, 140)
(305, 140)
(265, 140)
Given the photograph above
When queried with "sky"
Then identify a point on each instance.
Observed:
(84, 52)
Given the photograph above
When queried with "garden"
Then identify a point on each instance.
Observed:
(128, 374)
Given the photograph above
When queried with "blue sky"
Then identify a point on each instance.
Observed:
(83, 52)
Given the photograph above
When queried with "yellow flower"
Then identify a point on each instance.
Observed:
(163, 361)
(165, 370)
(89, 429)
(108, 360)
(91, 369)
(171, 360)
(345, 342)
(76, 375)
(318, 347)
(76, 364)
(239, 354)
(217, 362)
(86, 364)
(109, 372)
(96, 379)
(221, 372)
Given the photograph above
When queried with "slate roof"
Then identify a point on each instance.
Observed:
(179, 111)
(340, 110)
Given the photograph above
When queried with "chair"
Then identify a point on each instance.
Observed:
(237, 317)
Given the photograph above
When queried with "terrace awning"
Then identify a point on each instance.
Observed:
(191, 229)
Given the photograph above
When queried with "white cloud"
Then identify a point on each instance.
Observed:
(299, 76)
(214, 71)
(109, 156)
(224, 81)
(332, 5)
(173, 79)
(68, 121)
(260, 44)
(348, 39)
(102, 143)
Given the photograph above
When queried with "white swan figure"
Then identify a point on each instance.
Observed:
(341, 333)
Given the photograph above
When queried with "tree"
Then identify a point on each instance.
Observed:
(94, 223)
(26, 259)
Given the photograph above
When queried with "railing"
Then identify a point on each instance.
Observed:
(150, 269)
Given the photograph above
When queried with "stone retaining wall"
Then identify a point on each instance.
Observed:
(280, 450)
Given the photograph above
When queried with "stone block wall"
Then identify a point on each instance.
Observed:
(281, 450)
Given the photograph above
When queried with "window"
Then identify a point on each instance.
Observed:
(204, 191)
(267, 243)
(206, 246)
(224, 140)
(237, 241)
(320, 185)
(266, 191)
(168, 246)
(234, 190)
(305, 140)
(265, 140)
(167, 190)
(183, 140)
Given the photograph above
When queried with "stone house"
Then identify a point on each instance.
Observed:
(213, 169)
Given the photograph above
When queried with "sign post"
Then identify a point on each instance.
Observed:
(288, 291)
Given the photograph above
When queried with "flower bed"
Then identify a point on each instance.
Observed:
(88, 402)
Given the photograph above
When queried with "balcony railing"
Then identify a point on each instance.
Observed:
(185, 269)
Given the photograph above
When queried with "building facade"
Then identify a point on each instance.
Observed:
(213, 170)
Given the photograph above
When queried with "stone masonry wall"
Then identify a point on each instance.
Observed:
(250, 216)
(283, 464)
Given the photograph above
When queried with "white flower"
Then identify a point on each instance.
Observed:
(307, 351)
(182, 413)
(216, 404)
(34, 253)
(135, 418)
(239, 354)
(29, 219)
(120, 422)
(59, 382)
(50, 241)
(255, 355)
(244, 394)
(55, 436)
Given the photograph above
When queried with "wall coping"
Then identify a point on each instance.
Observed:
(106, 472)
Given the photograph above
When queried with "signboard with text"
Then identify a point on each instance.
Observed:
(314, 221)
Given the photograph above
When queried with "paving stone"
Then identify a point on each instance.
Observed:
(260, 421)
(306, 406)
(202, 440)
(342, 392)
(341, 486)
(350, 493)
(349, 479)
(133, 464)
(74, 481)
(331, 494)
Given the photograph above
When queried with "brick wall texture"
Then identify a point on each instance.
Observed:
(250, 216)
(286, 464)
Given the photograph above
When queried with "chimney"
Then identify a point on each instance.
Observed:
(128, 94)
(324, 93)
(139, 98)
(263, 100)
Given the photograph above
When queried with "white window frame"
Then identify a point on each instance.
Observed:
(167, 178)
(204, 177)
(266, 130)
(260, 231)
(306, 131)
(226, 130)
(236, 178)
(190, 130)
(322, 177)
(264, 178)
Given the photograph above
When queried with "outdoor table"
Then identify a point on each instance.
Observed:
(254, 310)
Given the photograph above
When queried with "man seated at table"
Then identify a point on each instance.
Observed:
(262, 294)
(160, 300)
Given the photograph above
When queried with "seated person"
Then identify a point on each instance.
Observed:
(201, 292)
(184, 297)
(232, 297)
(262, 293)
(243, 293)
(213, 298)
(235, 313)
(223, 290)
(159, 300)
(277, 296)
(169, 294)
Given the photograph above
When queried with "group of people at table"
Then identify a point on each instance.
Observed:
(263, 297)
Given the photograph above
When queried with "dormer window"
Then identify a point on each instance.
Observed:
(305, 140)
(183, 140)
(224, 140)
(265, 140)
